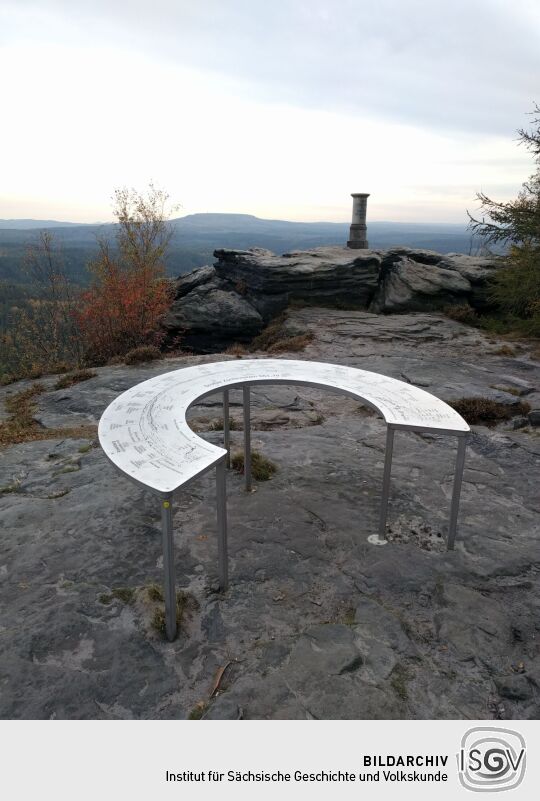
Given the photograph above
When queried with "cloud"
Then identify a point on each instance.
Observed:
(278, 109)
(468, 65)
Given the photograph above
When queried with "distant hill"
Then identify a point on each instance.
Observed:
(29, 224)
(196, 236)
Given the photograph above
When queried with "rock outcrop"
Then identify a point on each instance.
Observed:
(318, 621)
(422, 280)
(234, 299)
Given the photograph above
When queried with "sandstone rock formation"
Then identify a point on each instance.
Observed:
(234, 299)
(423, 280)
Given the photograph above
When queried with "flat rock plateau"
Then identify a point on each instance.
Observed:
(318, 623)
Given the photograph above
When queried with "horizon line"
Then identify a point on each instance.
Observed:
(230, 214)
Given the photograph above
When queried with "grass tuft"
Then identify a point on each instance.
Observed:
(276, 338)
(75, 378)
(505, 350)
(154, 593)
(146, 353)
(291, 344)
(487, 411)
(461, 313)
(217, 425)
(236, 349)
(262, 469)
(185, 605)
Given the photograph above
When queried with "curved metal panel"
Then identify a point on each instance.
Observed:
(145, 434)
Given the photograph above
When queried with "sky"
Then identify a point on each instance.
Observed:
(276, 108)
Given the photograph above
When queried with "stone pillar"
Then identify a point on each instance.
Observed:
(358, 233)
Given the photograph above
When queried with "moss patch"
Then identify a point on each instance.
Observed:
(15, 486)
(509, 390)
(349, 616)
(399, 679)
(69, 468)
(124, 594)
(262, 469)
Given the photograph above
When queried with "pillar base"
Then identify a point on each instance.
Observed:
(358, 244)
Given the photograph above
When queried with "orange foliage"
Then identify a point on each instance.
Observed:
(122, 310)
(129, 296)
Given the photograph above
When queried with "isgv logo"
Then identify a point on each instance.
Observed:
(491, 760)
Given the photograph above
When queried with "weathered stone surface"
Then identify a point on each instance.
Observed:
(409, 288)
(202, 275)
(408, 285)
(211, 317)
(317, 622)
(532, 670)
(514, 686)
(476, 269)
(234, 299)
(534, 417)
(487, 638)
(322, 274)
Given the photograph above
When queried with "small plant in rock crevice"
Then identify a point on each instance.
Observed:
(262, 469)
(186, 604)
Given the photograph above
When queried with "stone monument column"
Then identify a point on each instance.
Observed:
(358, 232)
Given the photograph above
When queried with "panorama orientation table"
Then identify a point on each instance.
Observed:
(145, 434)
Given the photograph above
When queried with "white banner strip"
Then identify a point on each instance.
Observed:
(89, 760)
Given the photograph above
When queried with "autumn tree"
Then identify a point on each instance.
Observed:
(129, 293)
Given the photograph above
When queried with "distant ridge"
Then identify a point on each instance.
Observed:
(25, 225)
(242, 222)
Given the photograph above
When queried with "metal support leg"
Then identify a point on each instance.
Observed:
(386, 481)
(458, 477)
(221, 506)
(247, 439)
(168, 567)
(226, 432)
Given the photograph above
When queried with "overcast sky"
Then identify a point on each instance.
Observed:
(278, 108)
